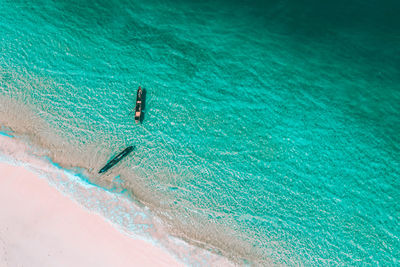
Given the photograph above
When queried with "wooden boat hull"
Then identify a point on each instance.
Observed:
(139, 105)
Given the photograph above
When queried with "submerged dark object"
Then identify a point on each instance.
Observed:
(140, 98)
(116, 159)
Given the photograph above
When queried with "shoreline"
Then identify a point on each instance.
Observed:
(48, 153)
(114, 208)
(45, 226)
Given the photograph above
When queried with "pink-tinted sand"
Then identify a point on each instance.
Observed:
(39, 226)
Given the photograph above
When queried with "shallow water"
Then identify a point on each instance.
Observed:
(270, 130)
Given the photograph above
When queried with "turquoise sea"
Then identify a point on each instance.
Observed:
(271, 128)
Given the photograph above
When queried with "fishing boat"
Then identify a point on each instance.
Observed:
(139, 105)
(116, 159)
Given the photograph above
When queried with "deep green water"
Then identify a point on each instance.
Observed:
(271, 130)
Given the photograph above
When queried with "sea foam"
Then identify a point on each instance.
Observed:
(132, 219)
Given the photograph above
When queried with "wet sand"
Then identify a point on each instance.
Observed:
(39, 226)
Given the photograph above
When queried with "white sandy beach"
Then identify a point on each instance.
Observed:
(39, 226)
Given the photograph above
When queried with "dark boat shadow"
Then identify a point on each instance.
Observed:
(144, 91)
(142, 116)
(106, 168)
